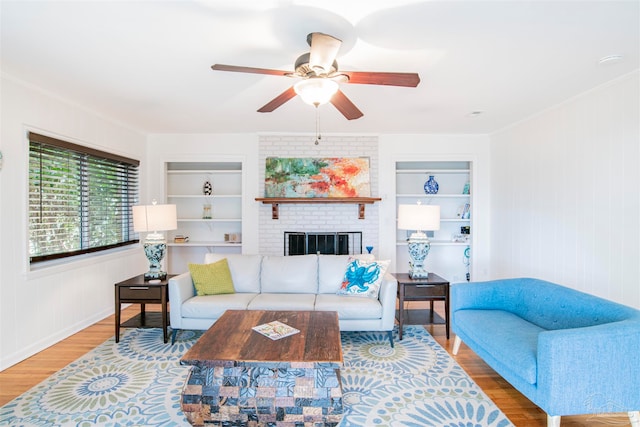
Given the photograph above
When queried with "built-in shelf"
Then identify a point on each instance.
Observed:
(432, 171)
(209, 219)
(276, 201)
(202, 196)
(206, 244)
(236, 167)
(438, 243)
(448, 256)
(185, 183)
(435, 196)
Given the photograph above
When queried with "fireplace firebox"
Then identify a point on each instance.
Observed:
(331, 243)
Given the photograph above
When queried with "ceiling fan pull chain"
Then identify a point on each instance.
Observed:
(318, 136)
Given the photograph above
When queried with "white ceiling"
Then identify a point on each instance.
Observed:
(147, 63)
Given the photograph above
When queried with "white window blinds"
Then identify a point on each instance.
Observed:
(80, 199)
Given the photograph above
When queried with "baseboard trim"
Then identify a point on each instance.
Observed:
(42, 344)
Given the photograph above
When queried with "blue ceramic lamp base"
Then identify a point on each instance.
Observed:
(419, 247)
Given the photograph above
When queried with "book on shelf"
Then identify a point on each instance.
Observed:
(275, 330)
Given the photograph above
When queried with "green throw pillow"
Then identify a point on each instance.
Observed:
(212, 279)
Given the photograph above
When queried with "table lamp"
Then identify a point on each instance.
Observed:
(153, 219)
(419, 218)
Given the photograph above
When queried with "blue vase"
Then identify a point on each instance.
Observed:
(431, 186)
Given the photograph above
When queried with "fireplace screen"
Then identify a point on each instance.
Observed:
(337, 243)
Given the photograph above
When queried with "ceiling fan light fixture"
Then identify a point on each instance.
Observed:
(610, 59)
(316, 91)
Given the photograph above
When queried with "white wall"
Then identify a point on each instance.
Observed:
(565, 194)
(39, 308)
(470, 148)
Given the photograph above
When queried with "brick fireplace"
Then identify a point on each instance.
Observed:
(317, 218)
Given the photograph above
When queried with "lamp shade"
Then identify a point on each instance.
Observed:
(419, 217)
(154, 218)
(316, 90)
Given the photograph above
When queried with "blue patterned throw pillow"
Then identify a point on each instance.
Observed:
(362, 278)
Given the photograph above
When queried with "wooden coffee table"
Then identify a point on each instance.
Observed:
(240, 376)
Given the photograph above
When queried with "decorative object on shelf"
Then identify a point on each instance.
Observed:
(464, 211)
(179, 238)
(431, 186)
(233, 237)
(466, 189)
(206, 211)
(153, 219)
(419, 218)
(466, 260)
(465, 229)
(207, 188)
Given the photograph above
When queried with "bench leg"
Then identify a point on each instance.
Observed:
(390, 335)
(553, 421)
(634, 417)
(456, 345)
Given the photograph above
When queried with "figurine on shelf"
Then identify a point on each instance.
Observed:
(206, 211)
(207, 188)
(466, 189)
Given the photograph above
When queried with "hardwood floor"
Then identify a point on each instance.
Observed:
(24, 375)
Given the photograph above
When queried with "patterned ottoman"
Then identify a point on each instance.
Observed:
(240, 377)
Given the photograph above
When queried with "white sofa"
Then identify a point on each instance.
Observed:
(302, 282)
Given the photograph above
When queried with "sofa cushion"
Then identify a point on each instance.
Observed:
(349, 308)
(289, 274)
(212, 306)
(297, 301)
(331, 270)
(212, 279)
(511, 340)
(245, 270)
(362, 279)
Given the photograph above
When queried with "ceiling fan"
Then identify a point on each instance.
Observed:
(318, 70)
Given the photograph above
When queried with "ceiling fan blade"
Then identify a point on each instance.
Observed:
(324, 49)
(345, 106)
(239, 69)
(381, 78)
(278, 101)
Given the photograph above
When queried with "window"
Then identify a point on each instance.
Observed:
(80, 199)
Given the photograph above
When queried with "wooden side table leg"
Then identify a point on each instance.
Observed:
(143, 321)
(446, 311)
(164, 316)
(401, 312)
(117, 315)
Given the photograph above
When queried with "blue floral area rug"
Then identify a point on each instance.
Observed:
(416, 384)
(138, 383)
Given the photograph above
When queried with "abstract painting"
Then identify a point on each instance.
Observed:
(317, 177)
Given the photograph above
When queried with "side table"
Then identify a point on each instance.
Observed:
(433, 288)
(138, 291)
